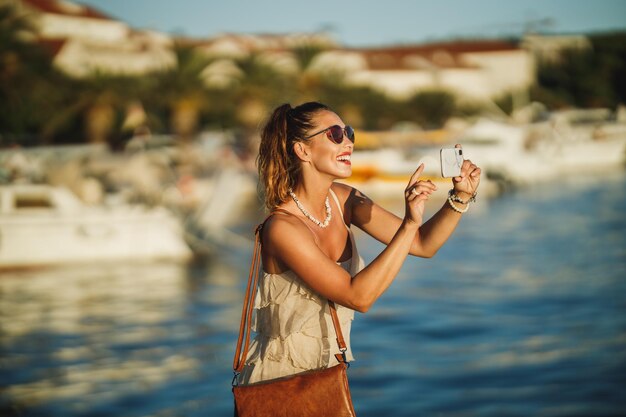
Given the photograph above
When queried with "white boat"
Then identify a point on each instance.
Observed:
(46, 225)
(529, 153)
(501, 152)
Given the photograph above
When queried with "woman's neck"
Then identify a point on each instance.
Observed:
(312, 196)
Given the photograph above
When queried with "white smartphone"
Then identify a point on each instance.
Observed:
(451, 161)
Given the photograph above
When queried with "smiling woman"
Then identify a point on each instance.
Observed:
(309, 257)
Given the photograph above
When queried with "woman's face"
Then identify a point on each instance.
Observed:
(327, 156)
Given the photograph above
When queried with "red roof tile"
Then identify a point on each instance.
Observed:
(440, 55)
(460, 46)
(56, 7)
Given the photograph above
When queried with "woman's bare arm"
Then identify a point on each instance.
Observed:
(431, 236)
(290, 243)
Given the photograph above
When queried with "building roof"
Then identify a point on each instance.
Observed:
(439, 55)
(459, 46)
(66, 8)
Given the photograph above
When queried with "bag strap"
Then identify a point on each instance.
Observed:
(248, 304)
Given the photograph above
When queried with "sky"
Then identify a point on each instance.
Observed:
(363, 23)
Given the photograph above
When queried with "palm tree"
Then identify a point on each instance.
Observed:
(93, 108)
(181, 92)
(29, 91)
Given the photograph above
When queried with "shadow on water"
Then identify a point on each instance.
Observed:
(521, 313)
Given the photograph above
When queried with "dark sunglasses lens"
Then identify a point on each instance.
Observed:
(335, 133)
(350, 133)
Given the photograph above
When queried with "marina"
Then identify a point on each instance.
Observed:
(130, 134)
(521, 313)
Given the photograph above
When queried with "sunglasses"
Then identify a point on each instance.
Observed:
(336, 133)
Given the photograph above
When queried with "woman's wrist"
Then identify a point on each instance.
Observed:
(458, 203)
(410, 224)
(462, 197)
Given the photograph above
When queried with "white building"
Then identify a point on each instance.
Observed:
(477, 70)
(272, 50)
(474, 70)
(85, 41)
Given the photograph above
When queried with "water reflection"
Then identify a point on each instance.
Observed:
(111, 337)
(521, 313)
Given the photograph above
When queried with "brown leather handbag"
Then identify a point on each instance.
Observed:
(321, 392)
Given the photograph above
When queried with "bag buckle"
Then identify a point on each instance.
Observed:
(235, 380)
(341, 357)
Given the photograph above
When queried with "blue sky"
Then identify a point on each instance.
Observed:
(369, 22)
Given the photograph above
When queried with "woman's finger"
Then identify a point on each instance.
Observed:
(430, 184)
(419, 190)
(416, 175)
(423, 185)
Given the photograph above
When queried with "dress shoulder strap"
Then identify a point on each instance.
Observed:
(332, 193)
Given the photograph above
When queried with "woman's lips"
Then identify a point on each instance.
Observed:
(345, 158)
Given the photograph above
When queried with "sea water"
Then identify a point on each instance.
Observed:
(521, 313)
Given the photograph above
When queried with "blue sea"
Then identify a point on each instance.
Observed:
(521, 313)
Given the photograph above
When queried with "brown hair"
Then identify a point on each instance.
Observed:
(278, 165)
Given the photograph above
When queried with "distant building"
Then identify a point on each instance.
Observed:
(83, 40)
(241, 45)
(476, 70)
(275, 51)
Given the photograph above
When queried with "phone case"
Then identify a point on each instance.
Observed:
(451, 161)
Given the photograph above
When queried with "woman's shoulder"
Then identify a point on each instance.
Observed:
(343, 191)
(283, 223)
(347, 195)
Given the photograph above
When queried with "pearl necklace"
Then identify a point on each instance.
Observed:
(308, 216)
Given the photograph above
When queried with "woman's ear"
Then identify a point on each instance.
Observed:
(302, 151)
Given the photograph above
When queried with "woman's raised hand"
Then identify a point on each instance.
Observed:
(415, 196)
(467, 182)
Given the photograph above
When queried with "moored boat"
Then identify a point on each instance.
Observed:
(46, 225)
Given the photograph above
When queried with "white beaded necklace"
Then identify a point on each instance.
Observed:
(308, 215)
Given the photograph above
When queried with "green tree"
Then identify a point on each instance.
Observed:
(179, 95)
(30, 89)
(585, 78)
(431, 109)
(305, 54)
(610, 50)
(261, 87)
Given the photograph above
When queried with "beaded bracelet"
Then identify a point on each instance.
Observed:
(456, 198)
(455, 208)
(453, 197)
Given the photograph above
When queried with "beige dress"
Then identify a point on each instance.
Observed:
(294, 330)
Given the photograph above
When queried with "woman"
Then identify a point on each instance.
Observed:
(309, 255)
